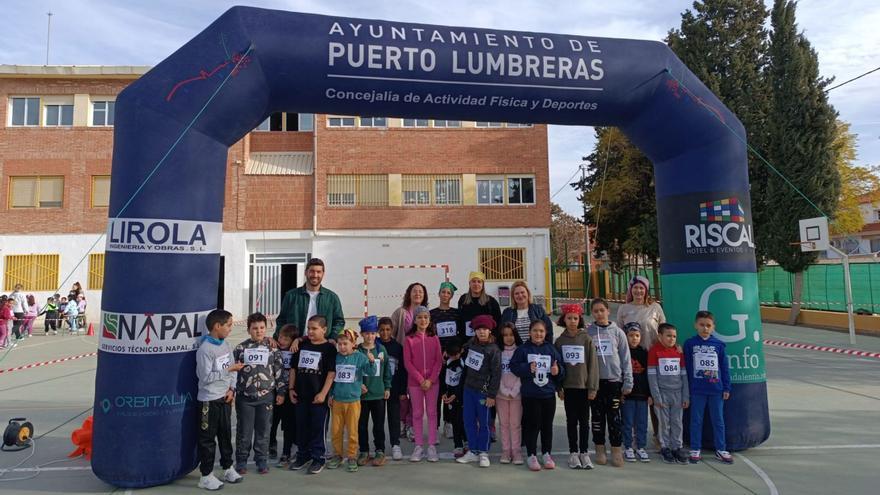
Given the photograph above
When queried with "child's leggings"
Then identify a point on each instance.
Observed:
(424, 402)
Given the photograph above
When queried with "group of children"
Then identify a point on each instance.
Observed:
(19, 312)
(306, 382)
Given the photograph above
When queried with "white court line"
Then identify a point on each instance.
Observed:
(819, 447)
(760, 472)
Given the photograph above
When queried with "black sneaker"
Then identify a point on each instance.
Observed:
(681, 456)
(316, 468)
(667, 456)
(298, 464)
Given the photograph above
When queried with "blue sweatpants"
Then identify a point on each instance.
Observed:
(311, 428)
(476, 420)
(715, 403)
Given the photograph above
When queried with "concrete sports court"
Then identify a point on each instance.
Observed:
(823, 406)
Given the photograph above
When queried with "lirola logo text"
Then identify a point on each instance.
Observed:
(150, 235)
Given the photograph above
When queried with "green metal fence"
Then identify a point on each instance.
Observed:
(618, 282)
(823, 287)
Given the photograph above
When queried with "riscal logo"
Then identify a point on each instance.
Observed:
(722, 228)
(151, 333)
(151, 235)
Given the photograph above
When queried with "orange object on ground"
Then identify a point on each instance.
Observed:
(82, 438)
(91, 330)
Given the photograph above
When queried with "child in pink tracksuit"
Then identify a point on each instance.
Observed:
(508, 400)
(6, 316)
(423, 358)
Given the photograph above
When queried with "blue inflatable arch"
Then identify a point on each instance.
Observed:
(163, 244)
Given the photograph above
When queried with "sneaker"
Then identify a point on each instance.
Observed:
(231, 476)
(484, 460)
(379, 459)
(574, 461)
(447, 430)
(316, 468)
(548, 462)
(457, 452)
(298, 464)
(467, 458)
(363, 459)
(417, 454)
(533, 463)
(262, 469)
(681, 456)
(334, 462)
(242, 470)
(396, 453)
(642, 454)
(667, 455)
(283, 462)
(517, 459)
(352, 466)
(210, 482)
(724, 456)
(586, 462)
(629, 455)
(410, 434)
(505, 459)
(432, 454)
(694, 457)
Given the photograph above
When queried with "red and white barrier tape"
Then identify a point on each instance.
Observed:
(822, 348)
(44, 363)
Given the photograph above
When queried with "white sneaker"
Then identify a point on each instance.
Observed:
(484, 460)
(210, 482)
(447, 430)
(574, 461)
(417, 454)
(629, 455)
(643, 456)
(396, 453)
(231, 476)
(432, 454)
(586, 462)
(468, 458)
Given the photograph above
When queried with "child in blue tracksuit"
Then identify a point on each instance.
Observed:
(540, 367)
(709, 380)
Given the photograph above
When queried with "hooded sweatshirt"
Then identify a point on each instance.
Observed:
(482, 367)
(612, 351)
(581, 362)
(378, 380)
(666, 371)
(707, 367)
(510, 383)
(422, 357)
(260, 379)
(541, 384)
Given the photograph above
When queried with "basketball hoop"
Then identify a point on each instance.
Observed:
(806, 246)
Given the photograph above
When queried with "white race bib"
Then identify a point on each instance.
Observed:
(309, 360)
(392, 364)
(603, 349)
(505, 364)
(669, 366)
(222, 363)
(453, 377)
(257, 356)
(286, 357)
(706, 361)
(573, 354)
(345, 373)
(468, 331)
(542, 362)
(446, 329)
(474, 360)
(377, 367)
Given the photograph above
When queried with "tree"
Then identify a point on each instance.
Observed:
(801, 127)
(855, 182)
(724, 43)
(567, 236)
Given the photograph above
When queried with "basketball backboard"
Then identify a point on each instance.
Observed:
(814, 234)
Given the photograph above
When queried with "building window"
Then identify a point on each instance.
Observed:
(489, 124)
(100, 191)
(447, 190)
(103, 113)
(850, 245)
(431, 189)
(36, 192)
(415, 122)
(490, 191)
(290, 122)
(96, 271)
(33, 271)
(275, 123)
(877, 215)
(875, 245)
(25, 111)
(340, 121)
(306, 122)
(520, 191)
(500, 264)
(357, 190)
(59, 115)
(447, 123)
(373, 122)
(516, 125)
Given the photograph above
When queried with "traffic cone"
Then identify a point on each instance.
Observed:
(91, 330)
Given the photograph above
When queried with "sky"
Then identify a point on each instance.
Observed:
(844, 33)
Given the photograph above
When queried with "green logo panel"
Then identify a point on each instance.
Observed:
(733, 299)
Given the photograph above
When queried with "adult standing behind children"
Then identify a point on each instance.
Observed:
(476, 302)
(402, 318)
(446, 318)
(641, 308)
(523, 311)
(19, 308)
(311, 299)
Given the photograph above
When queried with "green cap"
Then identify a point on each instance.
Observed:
(448, 285)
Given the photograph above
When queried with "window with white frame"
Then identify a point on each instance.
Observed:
(511, 190)
(59, 115)
(447, 123)
(103, 113)
(520, 190)
(290, 122)
(875, 245)
(340, 122)
(24, 111)
(490, 191)
(447, 190)
(306, 122)
(489, 124)
(373, 122)
(517, 125)
(415, 122)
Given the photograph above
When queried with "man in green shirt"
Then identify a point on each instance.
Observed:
(311, 299)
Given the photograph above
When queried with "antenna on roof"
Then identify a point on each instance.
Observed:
(48, 33)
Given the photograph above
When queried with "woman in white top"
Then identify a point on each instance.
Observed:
(641, 308)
